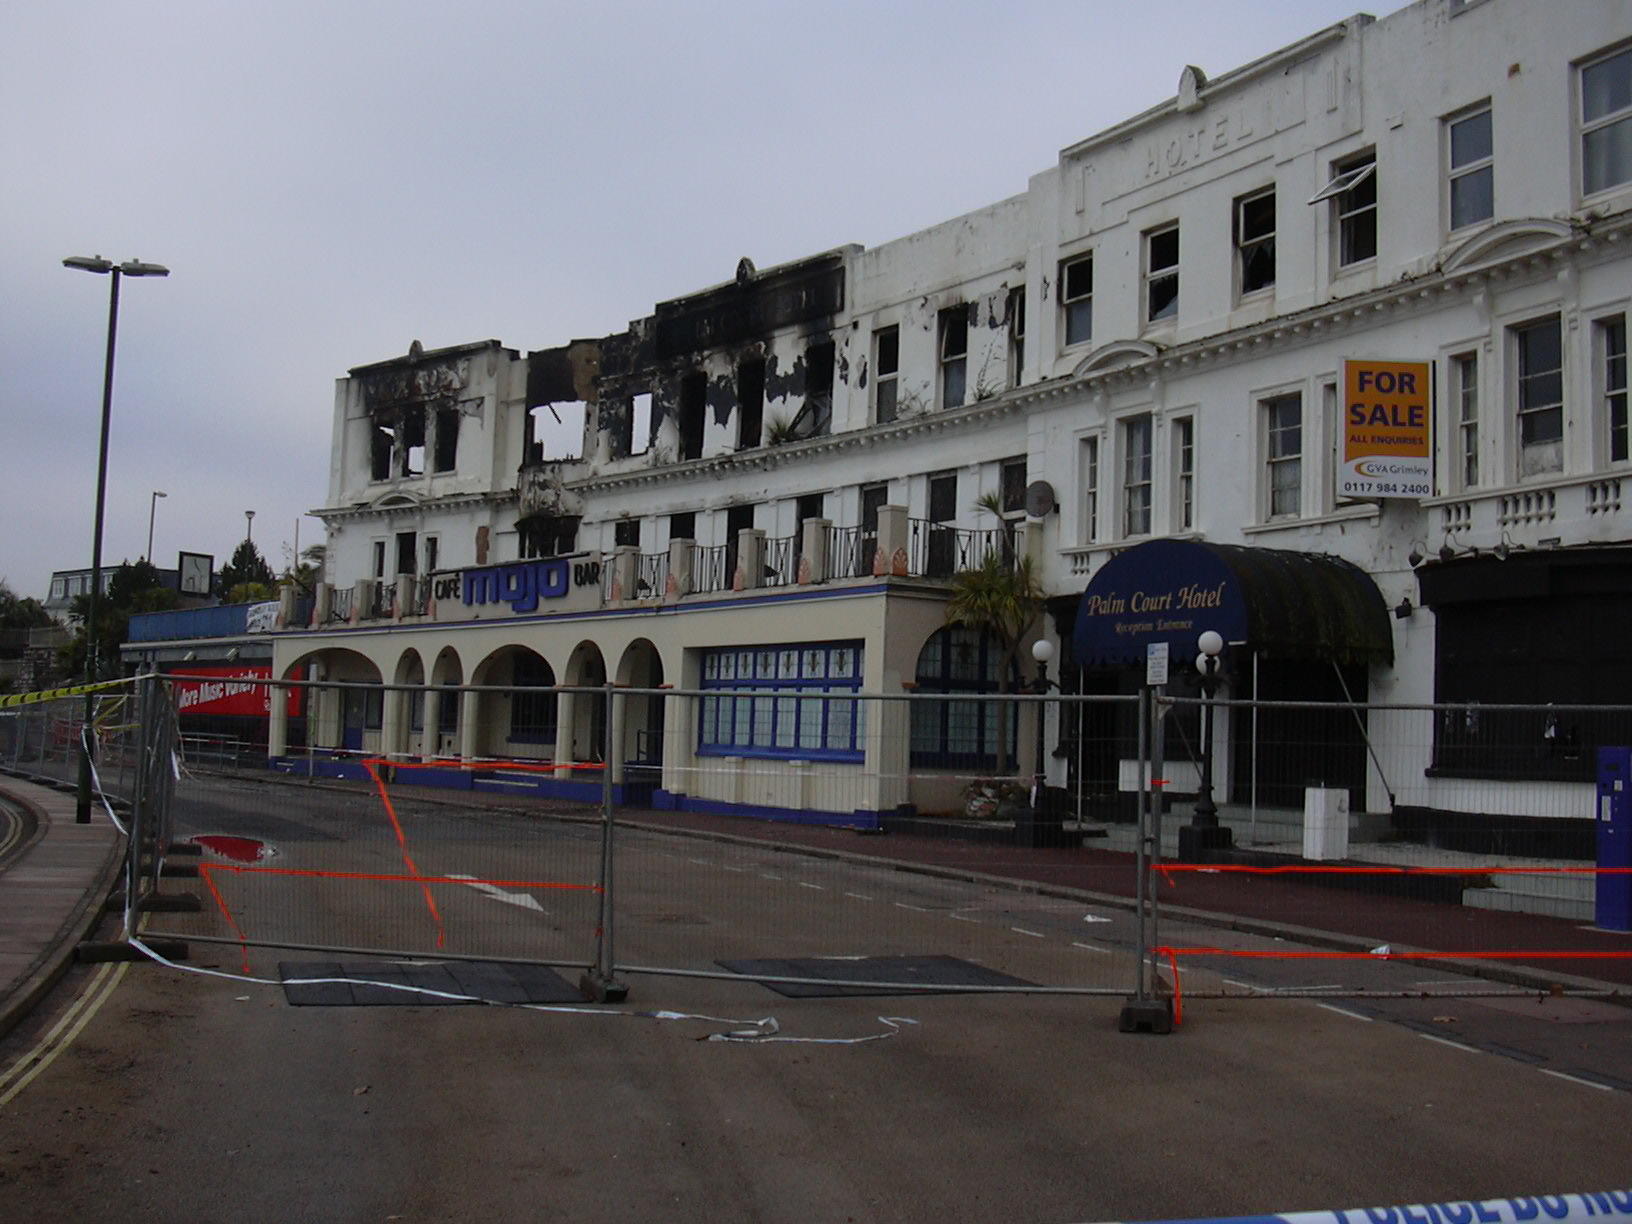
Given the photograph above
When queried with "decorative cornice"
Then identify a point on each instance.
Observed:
(373, 510)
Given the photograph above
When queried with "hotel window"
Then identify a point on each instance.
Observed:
(798, 701)
(1540, 351)
(433, 554)
(1283, 454)
(379, 558)
(1090, 489)
(1469, 149)
(1465, 387)
(954, 327)
(1184, 473)
(1255, 240)
(962, 734)
(626, 533)
(1606, 122)
(886, 372)
(1612, 338)
(1017, 335)
(1353, 193)
(1136, 476)
(750, 402)
(1162, 273)
(1077, 299)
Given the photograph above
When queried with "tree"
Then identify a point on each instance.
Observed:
(135, 587)
(307, 571)
(246, 567)
(1003, 601)
(19, 612)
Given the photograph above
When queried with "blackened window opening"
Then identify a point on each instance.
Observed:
(693, 414)
(750, 402)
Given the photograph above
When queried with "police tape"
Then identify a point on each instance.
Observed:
(1541, 1209)
(57, 694)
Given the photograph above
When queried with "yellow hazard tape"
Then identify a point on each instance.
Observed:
(57, 694)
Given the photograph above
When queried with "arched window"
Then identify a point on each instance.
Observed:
(960, 734)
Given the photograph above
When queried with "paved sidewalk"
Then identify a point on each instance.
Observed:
(52, 890)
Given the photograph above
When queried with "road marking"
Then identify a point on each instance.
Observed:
(700, 862)
(964, 918)
(106, 979)
(1574, 1079)
(1023, 931)
(723, 867)
(1094, 918)
(918, 908)
(817, 887)
(1244, 985)
(1091, 948)
(765, 875)
(859, 896)
(1455, 1045)
(498, 894)
(1343, 1011)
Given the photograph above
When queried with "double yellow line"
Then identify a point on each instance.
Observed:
(21, 1073)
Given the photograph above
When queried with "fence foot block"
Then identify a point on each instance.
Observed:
(1146, 1016)
(599, 989)
(93, 952)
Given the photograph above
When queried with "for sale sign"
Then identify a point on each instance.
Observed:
(1388, 429)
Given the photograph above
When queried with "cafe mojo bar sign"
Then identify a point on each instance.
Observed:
(520, 588)
(1168, 591)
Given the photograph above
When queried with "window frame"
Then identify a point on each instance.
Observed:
(1079, 305)
(1349, 173)
(1140, 483)
(989, 657)
(1168, 312)
(1184, 472)
(1483, 165)
(756, 726)
(1592, 126)
(1017, 335)
(1244, 255)
(1612, 392)
(1525, 379)
(1270, 434)
(952, 365)
(1464, 386)
(1088, 476)
(883, 378)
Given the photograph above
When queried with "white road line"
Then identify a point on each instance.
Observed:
(723, 867)
(523, 900)
(765, 875)
(1574, 1079)
(817, 887)
(700, 862)
(917, 908)
(1455, 1045)
(1243, 985)
(1343, 1011)
(963, 918)
(859, 896)
(1023, 931)
(1091, 948)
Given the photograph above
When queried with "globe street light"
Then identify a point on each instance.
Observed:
(1042, 651)
(1204, 831)
(102, 267)
(152, 505)
(249, 525)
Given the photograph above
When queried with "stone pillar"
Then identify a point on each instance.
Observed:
(678, 582)
(322, 605)
(430, 734)
(394, 724)
(750, 559)
(625, 573)
(286, 605)
(407, 589)
(813, 558)
(277, 721)
(470, 709)
(362, 598)
(890, 558)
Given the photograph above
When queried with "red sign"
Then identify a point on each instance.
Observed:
(228, 690)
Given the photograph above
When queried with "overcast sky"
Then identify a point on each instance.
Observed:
(330, 181)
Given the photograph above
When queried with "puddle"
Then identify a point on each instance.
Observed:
(238, 849)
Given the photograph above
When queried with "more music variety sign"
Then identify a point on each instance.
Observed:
(242, 691)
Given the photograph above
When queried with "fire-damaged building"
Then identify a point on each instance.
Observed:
(1327, 352)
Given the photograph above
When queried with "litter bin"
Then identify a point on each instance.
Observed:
(1613, 911)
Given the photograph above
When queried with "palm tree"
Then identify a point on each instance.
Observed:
(1003, 601)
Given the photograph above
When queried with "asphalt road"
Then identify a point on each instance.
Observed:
(186, 1097)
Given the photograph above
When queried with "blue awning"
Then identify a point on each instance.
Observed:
(1276, 602)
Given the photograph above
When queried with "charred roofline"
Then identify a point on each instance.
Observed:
(417, 356)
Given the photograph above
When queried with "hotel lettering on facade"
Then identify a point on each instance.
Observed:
(1328, 351)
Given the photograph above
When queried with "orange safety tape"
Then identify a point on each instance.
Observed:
(408, 859)
(243, 943)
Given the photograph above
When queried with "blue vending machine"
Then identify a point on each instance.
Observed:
(1614, 821)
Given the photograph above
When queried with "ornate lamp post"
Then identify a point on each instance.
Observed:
(1204, 832)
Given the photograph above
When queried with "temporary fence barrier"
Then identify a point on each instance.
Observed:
(630, 831)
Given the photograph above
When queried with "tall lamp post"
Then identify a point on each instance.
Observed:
(1042, 652)
(249, 526)
(152, 505)
(102, 267)
(1204, 832)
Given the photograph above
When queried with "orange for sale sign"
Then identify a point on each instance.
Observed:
(1388, 429)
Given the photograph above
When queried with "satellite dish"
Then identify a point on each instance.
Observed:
(1040, 499)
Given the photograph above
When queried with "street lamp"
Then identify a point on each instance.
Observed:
(1204, 832)
(152, 505)
(249, 526)
(1042, 650)
(102, 267)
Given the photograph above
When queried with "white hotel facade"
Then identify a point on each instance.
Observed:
(779, 473)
